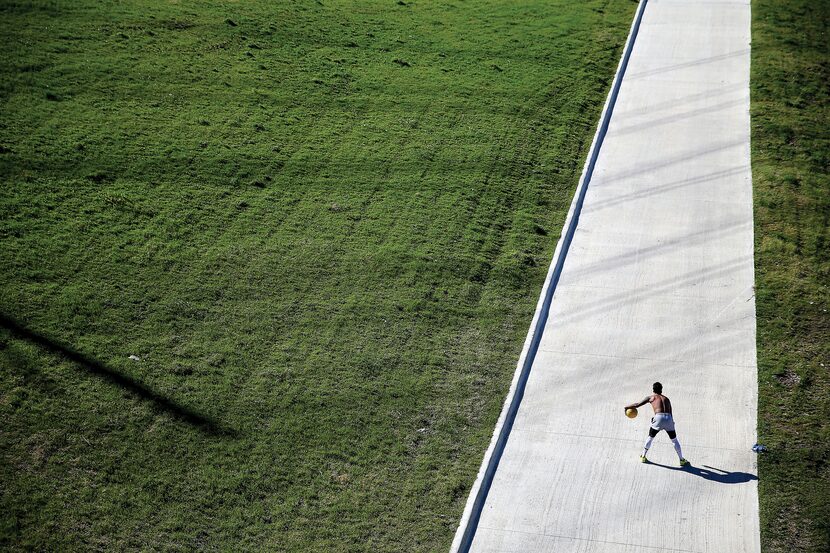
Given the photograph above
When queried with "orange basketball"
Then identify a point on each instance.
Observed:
(631, 412)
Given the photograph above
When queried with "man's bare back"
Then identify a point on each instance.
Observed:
(659, 403)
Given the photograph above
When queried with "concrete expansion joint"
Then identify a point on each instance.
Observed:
(653, 359)
(686, 444)
(592, 540)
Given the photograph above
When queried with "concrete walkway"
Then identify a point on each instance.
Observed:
(657, 285)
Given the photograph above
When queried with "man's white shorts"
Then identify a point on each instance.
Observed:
(663, 421)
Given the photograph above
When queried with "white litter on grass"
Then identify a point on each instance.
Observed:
(135, 357)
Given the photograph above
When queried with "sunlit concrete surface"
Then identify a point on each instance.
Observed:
(657, 285)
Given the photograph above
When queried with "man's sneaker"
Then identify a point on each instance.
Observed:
(643, 459)
(683, 462)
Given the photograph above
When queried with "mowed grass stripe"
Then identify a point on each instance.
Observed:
(321, 225)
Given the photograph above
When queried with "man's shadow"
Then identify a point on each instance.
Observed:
(711, 473)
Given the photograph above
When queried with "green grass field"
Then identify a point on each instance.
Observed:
(790, 163)
(322, 228)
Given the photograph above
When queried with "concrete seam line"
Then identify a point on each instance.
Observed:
(478, 493)
(754, 360)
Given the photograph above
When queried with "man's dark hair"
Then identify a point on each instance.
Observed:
(657, 387)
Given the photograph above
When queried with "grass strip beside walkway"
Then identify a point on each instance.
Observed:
(791, 163)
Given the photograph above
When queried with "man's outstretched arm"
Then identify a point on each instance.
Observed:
(635, 405)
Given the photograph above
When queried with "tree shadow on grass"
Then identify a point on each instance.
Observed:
(711, 473)
(94, 366)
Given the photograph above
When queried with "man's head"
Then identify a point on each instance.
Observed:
(657, 387)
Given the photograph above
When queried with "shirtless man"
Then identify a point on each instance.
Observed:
(662, 420)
